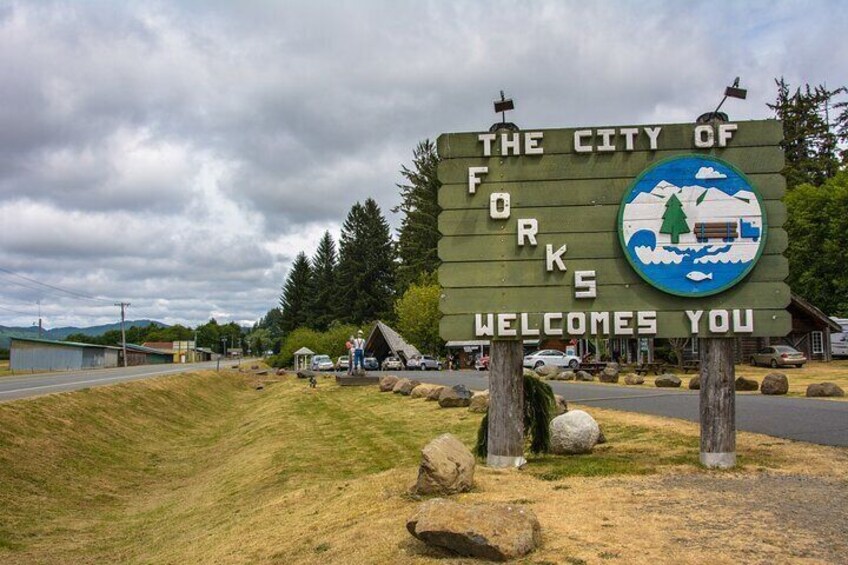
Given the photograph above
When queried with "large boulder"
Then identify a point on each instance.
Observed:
(530, 373)
(667, 380)
(457, 396)
(548, 370)
(421, 391)
(609, 374)
(387, 383)
(746, 385)
(584, 376)
(447, 467)
(574, 432)
(560, 405)
(435, 392)
(305, 374)
(479, 403)
(824, 390)
(496, 532)
(404, 386)
(601, 437)
(775, 383)
(634, 379)
(566, 376)
(695, 383)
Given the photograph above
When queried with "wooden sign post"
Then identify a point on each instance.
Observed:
(631, 233)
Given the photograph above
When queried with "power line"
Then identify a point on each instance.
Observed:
(60, 289)
(16, 311)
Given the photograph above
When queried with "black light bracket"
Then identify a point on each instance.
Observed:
(502, 106)
(732, 91)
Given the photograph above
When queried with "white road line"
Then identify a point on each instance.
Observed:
(72, 383)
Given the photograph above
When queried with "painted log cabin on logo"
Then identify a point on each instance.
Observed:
(647, 231)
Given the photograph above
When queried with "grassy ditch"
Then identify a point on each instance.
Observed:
(206, 468)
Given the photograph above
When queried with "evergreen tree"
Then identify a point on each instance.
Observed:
(809, 138)
(294, 301)
(366, 272)
(418, 236)
(674, 219)
(322, 303)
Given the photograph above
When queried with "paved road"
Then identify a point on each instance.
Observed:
(816, 421)
(22, 386)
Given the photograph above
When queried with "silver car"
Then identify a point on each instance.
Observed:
(778, 356)
(551, 357)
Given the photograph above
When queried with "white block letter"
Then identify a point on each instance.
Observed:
(599, 322)
(473, 181)
(499, 205)
(606, 136)
(704, 136)
(576, 323)
(525, 325)
(487, 139)
(552, 257)
(505, 325)
(578, 143)
(621, 320)
(549, 323)
(725, 132)
(629, 137)
(745, 327)
(646, 322)
(511, 142)
(527, 228)
(585, 285)
(531, 143)
(653, 136)
(694, 317)
(719, 321)
(483, 329)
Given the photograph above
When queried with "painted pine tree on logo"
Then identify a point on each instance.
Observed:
(674, 219)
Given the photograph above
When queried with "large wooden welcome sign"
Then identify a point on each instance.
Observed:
(634, 231)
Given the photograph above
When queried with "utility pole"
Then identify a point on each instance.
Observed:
(40, 327)
(123, 306)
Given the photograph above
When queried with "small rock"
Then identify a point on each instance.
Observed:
(566, 376)
(548, 370)
(497, 532)
(305, 374)
(695, 383)
(262, 372)
(254, 367)
(667, 380)
(824, 390)
(608, 375)
(435, 392)
(387, 383)
(775, 383)
(584, 376)
(574, 432)
(479, 403)
(634, 379)
(260, 387)
(421, 391)
(560, 405)
(280, 372)
(447, 467)
(457, 396)
(405, 386)
(746, 384)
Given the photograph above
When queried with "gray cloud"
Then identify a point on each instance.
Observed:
(181, 154)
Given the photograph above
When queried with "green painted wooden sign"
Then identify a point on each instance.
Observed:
(642, 231)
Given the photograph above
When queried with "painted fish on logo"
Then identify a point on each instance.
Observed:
(692, 225)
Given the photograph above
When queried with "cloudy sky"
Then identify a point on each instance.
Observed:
(178, 155)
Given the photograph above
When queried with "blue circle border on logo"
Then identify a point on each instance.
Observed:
(726, 286)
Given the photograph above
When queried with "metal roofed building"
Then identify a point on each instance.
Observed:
(141, 355)
(31, 355)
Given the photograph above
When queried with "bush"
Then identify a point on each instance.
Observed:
(4, 354)
(332, 343)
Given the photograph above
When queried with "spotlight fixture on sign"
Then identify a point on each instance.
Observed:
(502, 106)
(732, 91)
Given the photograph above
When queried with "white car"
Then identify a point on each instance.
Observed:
(551, 357)
(322, 363)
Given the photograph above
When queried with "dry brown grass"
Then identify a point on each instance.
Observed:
(206, 469)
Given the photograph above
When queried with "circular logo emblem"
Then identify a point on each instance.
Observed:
(692, 225)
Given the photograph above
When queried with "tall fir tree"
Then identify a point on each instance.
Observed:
(810, 138)
(418, 236)
(366, 272)
(294, 301)
(323, 298)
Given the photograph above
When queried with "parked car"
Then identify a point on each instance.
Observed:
(343, 364)
(424, 363)
(322, 363)
(371, 364)
(551, 357)
(393, 364)
(778, 356)
(482, 363)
